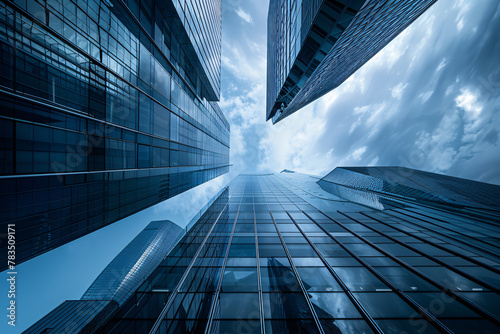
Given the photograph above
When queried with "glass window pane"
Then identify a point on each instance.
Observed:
(238, 326)
(288, 326)
(278, 277)
(240, 279)
(239, 306)
(360, 279)
(451, 279)
(394, 326)
(405, 279)
(476, 326)
(271, 250)
(332, 249)
(385, 305)
(318, 279)
(308, 261)
(343, 262)
(349, 326)
(242, 250)
(333, 305)
(379, 261)
(442, 305)
(241, 262)
(301, 250)
(363, 250)
(490, 301)
(285, 306)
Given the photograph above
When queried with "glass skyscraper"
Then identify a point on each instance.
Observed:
(106, 108)
(315, 45)
(380, 183)
(135, 262)
(276, 253)
(117, 282)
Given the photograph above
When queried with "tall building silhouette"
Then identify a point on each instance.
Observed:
(106, 108)
(282, 253)
(117, 282)
(315, 45)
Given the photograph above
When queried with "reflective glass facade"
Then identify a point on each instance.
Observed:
(106, 108)
(117, 282)
(277, 254)
(376, 184)
(315, 45)
(135, 262)
(75, 316)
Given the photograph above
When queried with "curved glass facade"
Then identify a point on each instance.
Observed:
(135, 262)
(106, 108)
(116, 283)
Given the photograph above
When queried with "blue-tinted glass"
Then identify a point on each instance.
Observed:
(360, 279)
(385, 305)
(291, 326)
(239, 279)
(451, 279)
(237, 326)
(239, 306)
(442, 305)
(476, 326)
(278, 276)
(350, 326)
(317, 279)
(333, 305)
(406, 326)
(288, 305)
(405, 280)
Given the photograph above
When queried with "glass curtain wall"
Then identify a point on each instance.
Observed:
(277, 254)
(106, 108)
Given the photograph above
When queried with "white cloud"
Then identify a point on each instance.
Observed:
(243, 64)
(469, 103)
(425, 96)
(356, 155)
(397, 91)
(373, 162)
(244, 15)
(375, 117)
(463, 8)
(442, 64)
(246, 106)
(362, 109)
(389, 55)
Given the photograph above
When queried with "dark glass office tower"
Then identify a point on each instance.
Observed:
(315, 45)
(106, 108)
(276, 253)
(114, 286)
(380, 183)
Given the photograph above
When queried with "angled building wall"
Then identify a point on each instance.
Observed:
(409, 184)
(106, 108)
(277, 254)
(75, 316)
(314, 45)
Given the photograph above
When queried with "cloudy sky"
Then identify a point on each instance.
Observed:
(429, 100)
